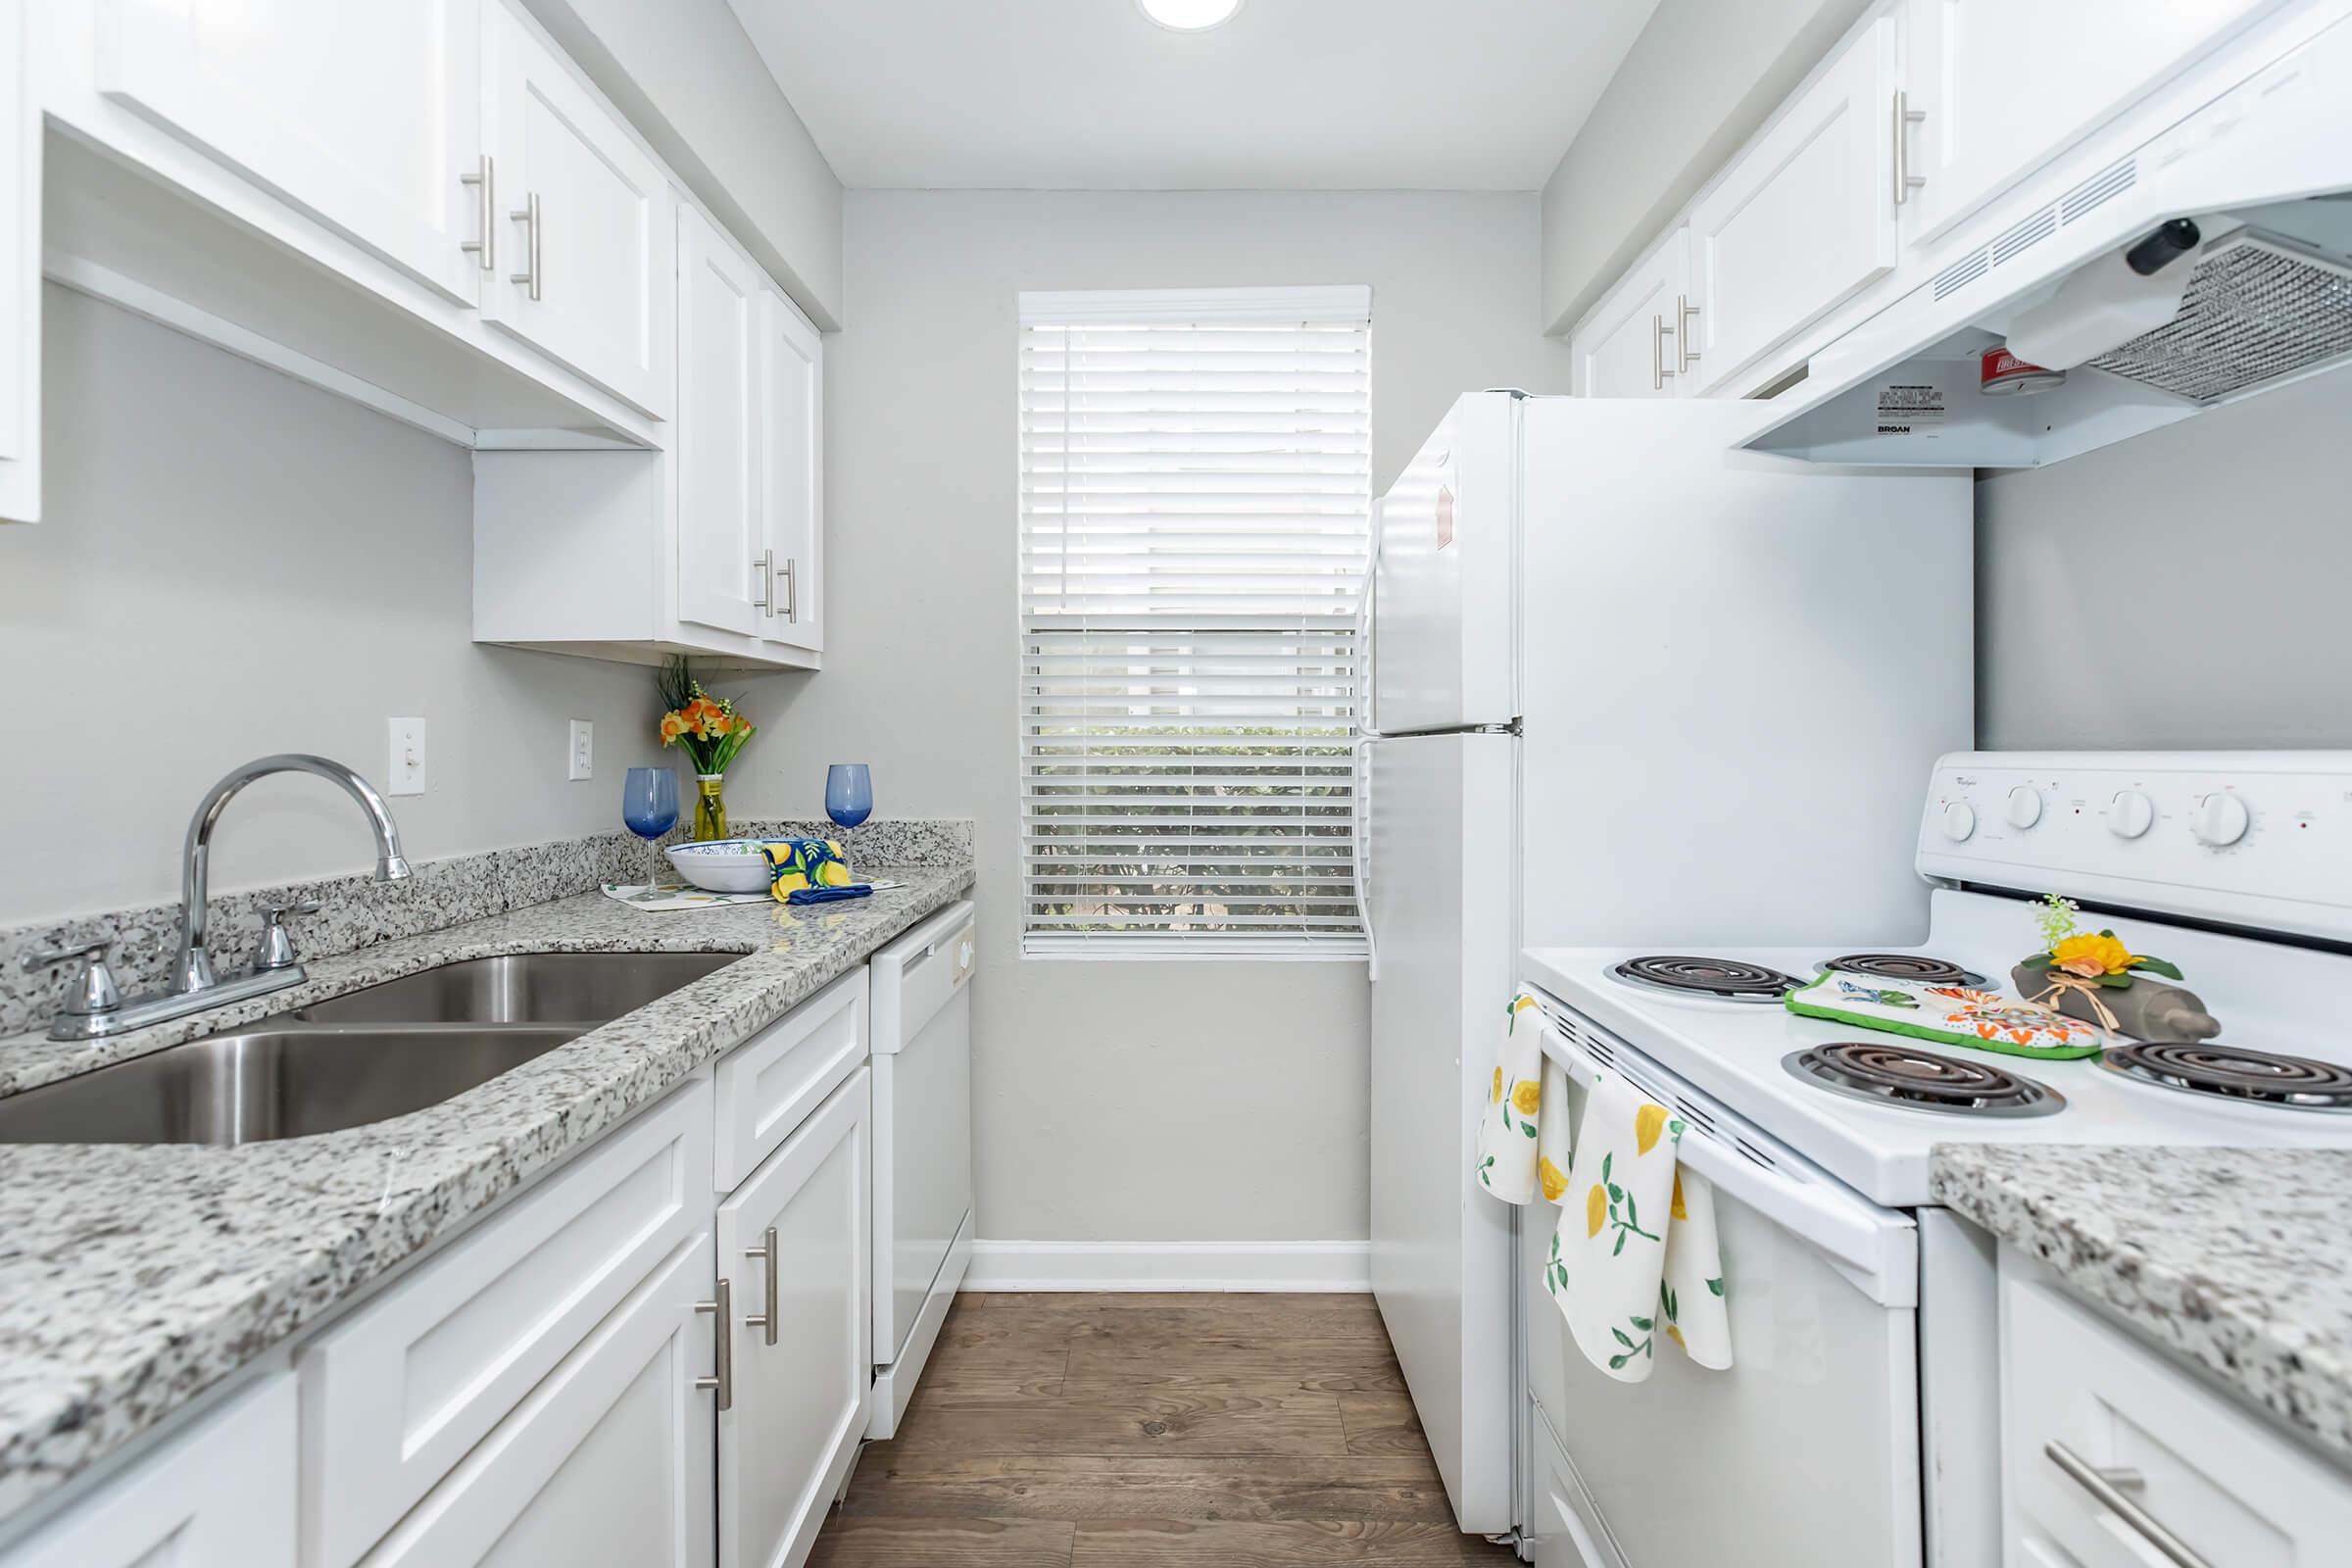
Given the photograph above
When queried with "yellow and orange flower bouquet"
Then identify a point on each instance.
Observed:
(712, 731)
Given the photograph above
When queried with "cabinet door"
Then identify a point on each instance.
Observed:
(20, 277)
(608, 1461)
(802, 1375)
(1630, 346)
(363, 114)
(220, 1494)
(721, 533)
(2005, 85)
(1804, 219)
(792, 471)
(585, 244)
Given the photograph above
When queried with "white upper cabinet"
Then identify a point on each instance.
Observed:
(586, 254)
(2003, 85)
(720, 533)
(1632, 344)
(791, 372)
(20, 277)
(365, 116)
(1805, 218)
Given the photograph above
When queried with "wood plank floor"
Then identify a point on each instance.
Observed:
(1124, 1431)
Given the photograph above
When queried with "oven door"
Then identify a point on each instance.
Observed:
(1805, 1454)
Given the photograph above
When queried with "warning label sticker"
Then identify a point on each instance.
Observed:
(1910, 409)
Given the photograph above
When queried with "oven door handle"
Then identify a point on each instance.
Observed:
(1878, 1252)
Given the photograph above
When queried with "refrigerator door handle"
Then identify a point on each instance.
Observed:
(1362, 806)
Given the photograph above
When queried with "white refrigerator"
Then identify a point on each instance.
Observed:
(1629, 685)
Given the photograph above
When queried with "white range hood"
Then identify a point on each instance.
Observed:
(2166, 270)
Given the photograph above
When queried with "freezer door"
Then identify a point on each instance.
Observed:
(1442, 872)
(1445, 592)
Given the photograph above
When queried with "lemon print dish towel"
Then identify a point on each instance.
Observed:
(1634, 1257)
(798, 865)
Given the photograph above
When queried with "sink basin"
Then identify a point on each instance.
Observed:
(266, 1082)
(553, 988)
(354, 1060)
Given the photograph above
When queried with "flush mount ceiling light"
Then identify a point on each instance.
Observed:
(1189, 16)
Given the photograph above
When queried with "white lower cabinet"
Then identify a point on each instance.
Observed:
(606, 1461)
(793, 1248)
(1632, 344)
(220, 1494)
(2116, 1456)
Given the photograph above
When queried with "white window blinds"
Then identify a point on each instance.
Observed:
(1196, 496)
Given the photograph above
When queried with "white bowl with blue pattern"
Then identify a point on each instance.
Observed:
(726, 866)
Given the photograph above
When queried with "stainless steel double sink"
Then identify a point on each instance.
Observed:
(353, 1060)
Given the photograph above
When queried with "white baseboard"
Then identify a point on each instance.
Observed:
(1170, 1266)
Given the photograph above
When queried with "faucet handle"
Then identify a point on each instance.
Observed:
(93, 989)
(277, 949)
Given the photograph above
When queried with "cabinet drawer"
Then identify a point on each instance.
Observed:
(220, 1494)
(396, 1395)
(2080, 1392)
(610, 1461)
(771, 1082)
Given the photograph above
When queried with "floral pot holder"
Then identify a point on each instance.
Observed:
(1956, 1015)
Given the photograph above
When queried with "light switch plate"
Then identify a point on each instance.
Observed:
(406, 775)
(580, 760)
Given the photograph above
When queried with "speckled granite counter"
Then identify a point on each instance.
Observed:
(2238, 1259)
(132, 1278)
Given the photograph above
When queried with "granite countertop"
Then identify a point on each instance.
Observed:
(2237, 1258)
(134, 1277)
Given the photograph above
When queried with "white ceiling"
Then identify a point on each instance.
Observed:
(1288, 95)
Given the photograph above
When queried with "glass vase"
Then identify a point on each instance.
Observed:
(710, 809)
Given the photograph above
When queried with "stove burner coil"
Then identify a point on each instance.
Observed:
(1911, 1079)
(2235, 1072)
(1913, 966)
(1725, 978)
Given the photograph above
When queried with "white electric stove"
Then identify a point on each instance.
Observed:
(1858, 1424)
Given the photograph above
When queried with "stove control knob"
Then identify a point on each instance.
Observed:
(2220, 820)
(1959, 821)
(2025, 806)
(2130, 813)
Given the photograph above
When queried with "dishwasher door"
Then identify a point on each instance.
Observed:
(921, 1035)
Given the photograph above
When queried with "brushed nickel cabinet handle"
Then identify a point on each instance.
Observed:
(766, 1251)
(792, 590)
(1659, 372)
(764, 564)
(1906, 116)
(2107, 1488)
(1683, 312)
(722, 1351)
(534, 222)
(485, 184)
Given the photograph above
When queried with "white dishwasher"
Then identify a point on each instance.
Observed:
(921, 1032)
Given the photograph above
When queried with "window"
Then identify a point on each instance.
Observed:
(1194, 516)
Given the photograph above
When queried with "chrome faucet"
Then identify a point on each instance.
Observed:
(94, 1005)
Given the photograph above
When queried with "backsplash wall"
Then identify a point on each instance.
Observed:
(2182, 590)
(235, 563)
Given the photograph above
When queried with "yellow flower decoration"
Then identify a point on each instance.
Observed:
(1554, 1180)
(2092, 955)
(1597, 1209)
(1647, 1121)
(1527, 1094)
(1497, 1096)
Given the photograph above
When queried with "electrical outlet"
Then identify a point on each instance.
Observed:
(407, 772)
(580, 761)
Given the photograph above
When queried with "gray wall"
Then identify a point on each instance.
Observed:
(698, 91)
(1704, 76)
(1116, 1100)
(234, 563)
(2185, 589)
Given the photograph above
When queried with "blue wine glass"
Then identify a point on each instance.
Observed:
(648, 804)
(848, 794)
